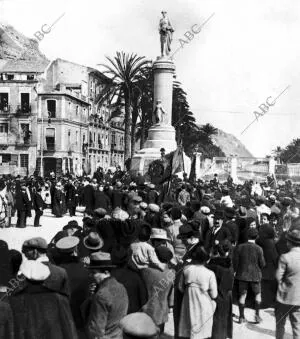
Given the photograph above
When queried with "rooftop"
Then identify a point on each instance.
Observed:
(23, 66)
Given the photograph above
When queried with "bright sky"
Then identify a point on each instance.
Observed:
(247, 52)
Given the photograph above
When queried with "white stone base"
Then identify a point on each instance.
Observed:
(161, 136)
(143, 158)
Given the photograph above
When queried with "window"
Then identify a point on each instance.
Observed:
(4, 102)
(6, 158)
(50, 139)
(3, 128)
(25, 103)
(51, 108)
(24, 160)
(77, 110)
(30, 76)
(10, 76)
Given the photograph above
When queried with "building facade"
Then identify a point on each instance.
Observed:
(52, 119)
(18, 115)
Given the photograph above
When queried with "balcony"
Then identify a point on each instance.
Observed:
(23, 110)
(5, 109)
(24, 142)
(50, 147)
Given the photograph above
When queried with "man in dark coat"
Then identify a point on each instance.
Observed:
(217, 234)
(78, 276)
(71, 197)
(105, 309)
(131, 280)
(88, 196)
(101, 199)
(38, 206)
(230, 223)
(40, 304)
(22, 206)
(58, 201)
(117, 196)
(248, 261)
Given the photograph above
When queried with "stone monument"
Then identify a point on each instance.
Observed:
(162, 133)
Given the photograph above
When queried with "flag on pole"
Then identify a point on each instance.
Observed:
(192, 176)
(177, 161)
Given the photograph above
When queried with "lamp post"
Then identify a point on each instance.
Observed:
(42, 145)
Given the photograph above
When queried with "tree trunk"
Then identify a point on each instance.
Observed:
(143, 129)
(127, 128)
(133, 128)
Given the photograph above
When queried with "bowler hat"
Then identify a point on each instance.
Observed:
(219, 214)
(100, 260)
(164, 254)
(293, 236)
(229, 212)
(93, 241)
(187, 231)
(67, 244)
(72, 224)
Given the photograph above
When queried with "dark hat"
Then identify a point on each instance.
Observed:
(229, 212)
(35, 243)
(100, 260)
(286, 201)
(67, 244)
(219, 214)
(93, 241)
(293, 236)
(119, 255)
(71, 225)
(128, 229)
(100, 212)
(164, 254)
(187, 231)
(139, 325)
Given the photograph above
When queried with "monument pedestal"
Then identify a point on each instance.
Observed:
(161, 134)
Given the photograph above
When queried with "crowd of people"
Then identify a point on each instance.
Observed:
(144, 250)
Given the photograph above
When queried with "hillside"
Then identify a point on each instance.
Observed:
(230, 144)
(14, 45)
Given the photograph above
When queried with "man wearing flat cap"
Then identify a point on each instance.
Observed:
(77, 274)
(104, 310)
(43, 297)
(288, 292)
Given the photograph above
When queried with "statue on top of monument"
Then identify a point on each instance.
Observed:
(166, 31)
(159, 114)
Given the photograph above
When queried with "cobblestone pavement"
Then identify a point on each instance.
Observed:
(51, 225)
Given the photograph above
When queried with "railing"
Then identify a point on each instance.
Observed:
(23, 109)
(49, 147)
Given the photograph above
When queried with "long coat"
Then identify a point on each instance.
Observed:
(159, 286)
(200, 287)
(70, 192)
(57, 203)
(41, 310)
(104, 310)
(6, 321)
(135, 287)
(78, 277)
(222, 322)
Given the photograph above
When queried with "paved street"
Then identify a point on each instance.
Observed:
(51, 225)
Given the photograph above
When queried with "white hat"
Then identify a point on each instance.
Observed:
(120, 214)
(153, 208)
(205, 210)
(159, 233)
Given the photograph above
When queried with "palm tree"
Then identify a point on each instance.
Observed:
(209, 130)
(125, 71)
(277, 153)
